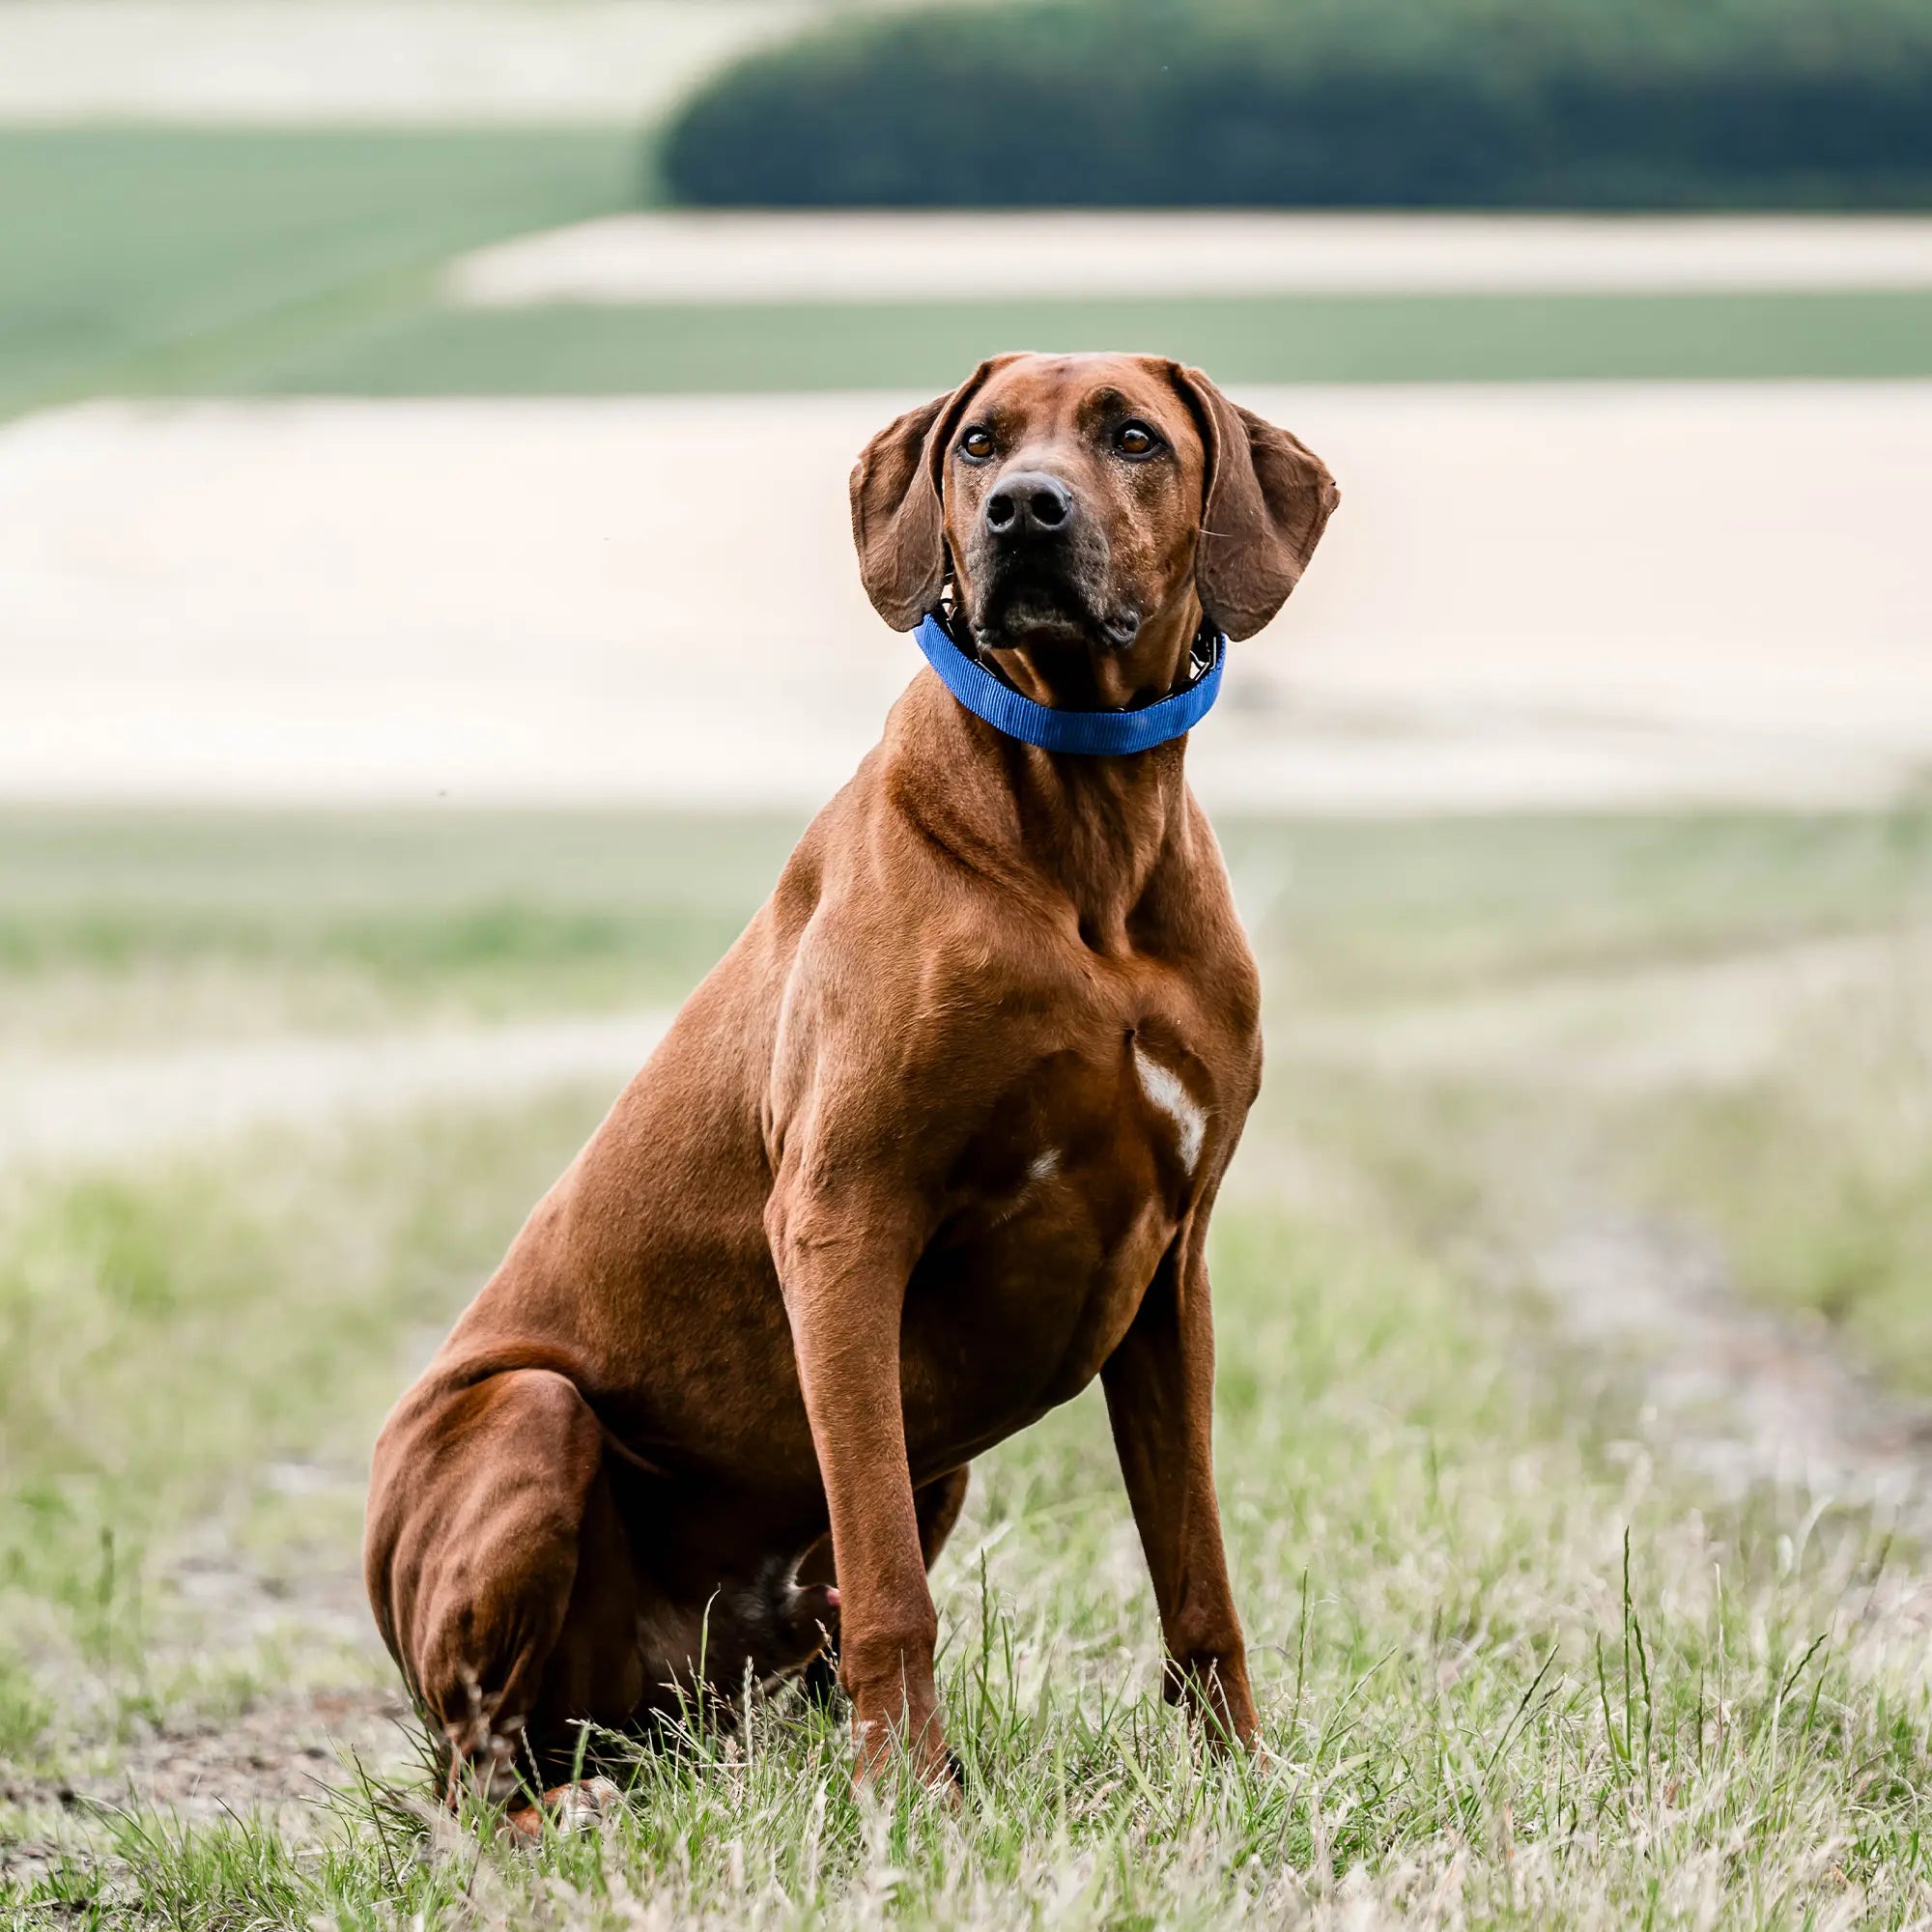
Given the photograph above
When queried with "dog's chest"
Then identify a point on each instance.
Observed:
(1076, 1190)
(1120, 1127)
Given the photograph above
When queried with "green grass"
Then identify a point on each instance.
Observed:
(168, 261)
(177, 262)
(590, 351)
(1817, 1175)
(165, 923)
(168, 1337)
(1482, 1706)
(1401, 908)
(133, 923)
(146, 928)
(1478, 1700)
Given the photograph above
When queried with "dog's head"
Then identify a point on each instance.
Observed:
(1092, 511)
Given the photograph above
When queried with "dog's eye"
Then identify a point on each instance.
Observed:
(977, 444)
(1135, 439)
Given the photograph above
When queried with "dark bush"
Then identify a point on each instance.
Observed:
(1327, 102)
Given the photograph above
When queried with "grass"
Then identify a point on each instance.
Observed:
(1517, 1667)
(283, 1294)
(129, 924)
(186, 262)
(1817, 1175)
(1482, 1700)
(1385, 909)
(1499, 338)
(163, 260)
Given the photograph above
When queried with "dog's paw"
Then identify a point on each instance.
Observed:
(583, 1807)
(881, 1756)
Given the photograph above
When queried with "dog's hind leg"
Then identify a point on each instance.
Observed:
(498, 1567)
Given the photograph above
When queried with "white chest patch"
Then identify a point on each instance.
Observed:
(1164, 1091)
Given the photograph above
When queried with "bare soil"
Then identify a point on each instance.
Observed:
(544, 605)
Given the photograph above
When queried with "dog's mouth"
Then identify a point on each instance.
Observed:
(1026, 605)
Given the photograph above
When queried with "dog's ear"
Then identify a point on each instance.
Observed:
(1266, 500)
(898, 521)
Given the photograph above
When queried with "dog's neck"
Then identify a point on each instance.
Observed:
(1099, 828)
(1094, 831)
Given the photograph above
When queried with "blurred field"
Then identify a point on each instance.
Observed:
(945, 255)
(238, 261)
(131, 927)
(1561, 595)
(1334, 338)
(462, 63)
(481, 915)
(1718, 1015)
(173, 259)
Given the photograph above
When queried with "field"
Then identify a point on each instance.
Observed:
(238, 261)
(169, 260)
(1537, 596)
(1574, 1401)
(1536, 1636)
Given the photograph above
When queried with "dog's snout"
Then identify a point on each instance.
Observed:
(1028, 504)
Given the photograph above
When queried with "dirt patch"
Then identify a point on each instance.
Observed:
(80, 1107)
(542, 596)
(276, 1756)
(291, 1761)
(1740, 1396)
(873, 255)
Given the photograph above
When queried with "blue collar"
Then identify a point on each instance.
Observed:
(1094, 733)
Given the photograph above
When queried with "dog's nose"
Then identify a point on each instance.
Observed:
(1028, 504)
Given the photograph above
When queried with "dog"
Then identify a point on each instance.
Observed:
(933, 1147)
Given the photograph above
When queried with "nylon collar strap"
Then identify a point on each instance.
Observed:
(1089, 733)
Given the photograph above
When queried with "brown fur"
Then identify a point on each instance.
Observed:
(895, 1182)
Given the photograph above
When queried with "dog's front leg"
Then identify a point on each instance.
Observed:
(1160, 1399)
(843, 1268)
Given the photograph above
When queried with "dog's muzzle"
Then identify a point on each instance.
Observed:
(1040, 567)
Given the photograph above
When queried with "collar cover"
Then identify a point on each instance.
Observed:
(1090, 733)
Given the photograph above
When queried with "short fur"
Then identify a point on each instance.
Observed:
(933, 1145)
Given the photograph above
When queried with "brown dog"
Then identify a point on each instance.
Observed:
(933, 1145)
